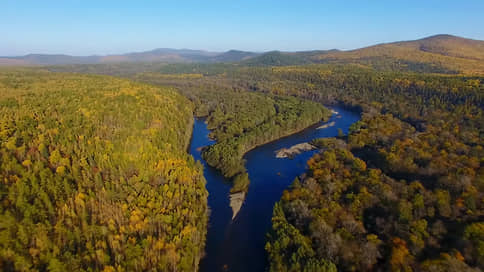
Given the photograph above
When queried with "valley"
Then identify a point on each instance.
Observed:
(237, 243)
(187, 160)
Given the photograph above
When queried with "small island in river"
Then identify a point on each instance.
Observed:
(327, 125)
(236, 201)
(294, 150)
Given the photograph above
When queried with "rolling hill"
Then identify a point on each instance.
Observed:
(278, 58)
(234, 56)
(440, 53)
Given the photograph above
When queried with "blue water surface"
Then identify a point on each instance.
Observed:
(238, 245)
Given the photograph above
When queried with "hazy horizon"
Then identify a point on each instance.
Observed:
(222, 51)
(85, 28)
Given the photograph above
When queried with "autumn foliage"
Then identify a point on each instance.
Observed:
(94, 175)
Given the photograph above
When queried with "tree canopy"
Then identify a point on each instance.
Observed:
(94, 175)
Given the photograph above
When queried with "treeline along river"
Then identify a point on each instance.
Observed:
(238, 245)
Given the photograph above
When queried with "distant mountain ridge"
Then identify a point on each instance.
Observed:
(279, 58)
(234, 56)
(439, 54)
(167, 55)
(157, 55)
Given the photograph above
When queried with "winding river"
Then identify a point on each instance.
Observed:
(238, 245)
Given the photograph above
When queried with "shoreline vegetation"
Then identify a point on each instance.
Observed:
(237, 197)
(237, 194)
(227, 153)
(239, 120)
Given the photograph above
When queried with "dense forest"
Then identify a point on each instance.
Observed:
(95, 176)
(404, 192)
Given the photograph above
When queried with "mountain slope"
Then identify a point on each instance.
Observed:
(450, 46)
(275, 58)
(278, 58)
(234, 56)
(440, 53)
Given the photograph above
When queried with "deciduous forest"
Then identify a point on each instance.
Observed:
(404, 191)
(240, 120)
(95, 176)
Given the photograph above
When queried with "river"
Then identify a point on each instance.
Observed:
(238, 245)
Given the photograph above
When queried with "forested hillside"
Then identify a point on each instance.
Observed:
(436, 54)
(240, 120)
(94, 175)
(405, 192)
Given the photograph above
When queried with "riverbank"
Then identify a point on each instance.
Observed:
(237, 243)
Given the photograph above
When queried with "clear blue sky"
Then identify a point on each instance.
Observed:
(109, 27)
